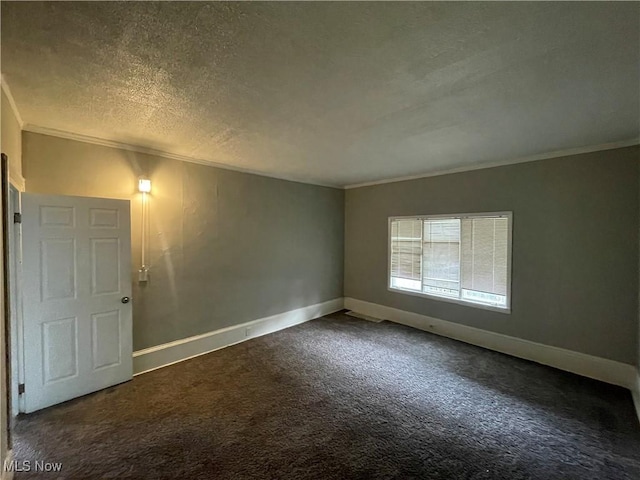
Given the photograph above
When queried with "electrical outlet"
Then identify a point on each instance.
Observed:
(143, 275)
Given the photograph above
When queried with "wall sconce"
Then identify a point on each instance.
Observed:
(144, 186)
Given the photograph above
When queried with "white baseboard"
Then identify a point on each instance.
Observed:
(174, 352)
(603, 369)
(635, 392)
(7, 474)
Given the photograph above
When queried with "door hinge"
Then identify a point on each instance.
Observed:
(17, 217)
(20, 388)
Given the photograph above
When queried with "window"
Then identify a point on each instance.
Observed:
(458, 258)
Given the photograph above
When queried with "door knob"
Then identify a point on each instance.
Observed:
(125, 299)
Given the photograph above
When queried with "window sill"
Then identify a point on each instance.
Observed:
(457, 301)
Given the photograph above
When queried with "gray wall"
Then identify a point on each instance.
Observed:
(225, 247)
(575, 247)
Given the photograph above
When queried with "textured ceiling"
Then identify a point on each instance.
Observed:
(331, 93)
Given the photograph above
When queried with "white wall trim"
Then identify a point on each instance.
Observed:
(15, 293)
(18, 182)
(636, 394)
(7, 474)
(105, 142)
(532, 158)
(184, 158)
(173, 352)
(603, 369)
(111, 143)
(12, 101)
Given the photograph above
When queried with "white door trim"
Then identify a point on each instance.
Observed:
(15, 296)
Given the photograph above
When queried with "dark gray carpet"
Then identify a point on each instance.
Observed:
(342, 398)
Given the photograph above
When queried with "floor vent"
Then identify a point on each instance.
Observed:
(351, 313)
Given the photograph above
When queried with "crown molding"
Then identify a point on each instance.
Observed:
(12, 102)
(105, 142)
(533, 158)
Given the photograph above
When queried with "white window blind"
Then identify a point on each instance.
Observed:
(441, 257)
(484, 259)
(406, 253)
(461, 258)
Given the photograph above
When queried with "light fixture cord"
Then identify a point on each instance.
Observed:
(144, 228)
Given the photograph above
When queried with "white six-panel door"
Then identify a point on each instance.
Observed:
(77, 282)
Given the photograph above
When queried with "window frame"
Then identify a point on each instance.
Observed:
(458, 301)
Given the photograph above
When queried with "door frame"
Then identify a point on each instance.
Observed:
(15, 296)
